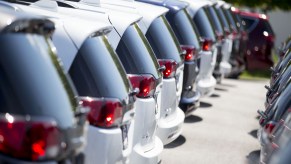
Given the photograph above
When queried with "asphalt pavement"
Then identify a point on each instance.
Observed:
(223, 130)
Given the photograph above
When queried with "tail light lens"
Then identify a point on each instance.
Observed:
(29, 138)
(190, 52)
(219, 35)
(227, 32)
(270, 38)
(206, 44)
(269, 127)
(104, 112)
(145, 83)
(234, 34)
(170, 65)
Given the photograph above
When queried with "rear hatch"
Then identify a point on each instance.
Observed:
(140, 63)
(97, 72)
(36, 98)
(166, 47)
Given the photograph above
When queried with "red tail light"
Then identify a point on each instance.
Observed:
(170, 65)
(227, 32)
(145, 83)
(206, 45)
(104, 112)
(190, 52)
(270, 38)
(234, 34)
(269, 127)
(29, 138)
(219, 35)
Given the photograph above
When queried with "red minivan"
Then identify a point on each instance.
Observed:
(261, 41)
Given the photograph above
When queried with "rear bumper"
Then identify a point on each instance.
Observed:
(224, 67)
(105, 146)
(206, 86)
(189, 103)
(170, 129)
(147, 157)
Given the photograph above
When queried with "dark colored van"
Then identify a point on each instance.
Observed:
(261, 41)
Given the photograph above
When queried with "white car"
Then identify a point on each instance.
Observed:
(97, 73)
(228, 40)
(197, 10)
(156, 28)
(143, 71)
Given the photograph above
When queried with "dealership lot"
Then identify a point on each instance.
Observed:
(223, 130)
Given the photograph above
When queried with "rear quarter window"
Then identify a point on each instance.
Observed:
(250, 23)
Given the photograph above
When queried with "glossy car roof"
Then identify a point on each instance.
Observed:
(173, 5)
(137, 8)
(254, 15)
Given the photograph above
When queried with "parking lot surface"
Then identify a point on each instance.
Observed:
(223, 130)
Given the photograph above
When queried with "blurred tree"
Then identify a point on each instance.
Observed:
(264, 4)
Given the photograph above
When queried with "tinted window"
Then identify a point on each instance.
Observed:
(215, 20)
(203, 24)
(32, 82)
(185, 29)
(136, 54)
(249, 23)
(96, 71)
(230, 19)
(267, 27)
(163, 40)
(223, 19)
(239, 22)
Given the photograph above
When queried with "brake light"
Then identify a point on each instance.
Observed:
(170, 65)
(219, 35)
(29, 138)
(206, 45)
(190, 52)
(227, 32)
(269, 127)
(145, 83)
(104, 112)
(234, 34)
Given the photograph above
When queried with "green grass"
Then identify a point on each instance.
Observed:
(256, 75)
(259, 74)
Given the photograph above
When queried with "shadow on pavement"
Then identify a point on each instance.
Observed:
(258, 117)
(178, 142)
(214, 95)
(220, 89)
(254, 133)
(192, 119)
(205, 104)
(253, 157)
(227, 85)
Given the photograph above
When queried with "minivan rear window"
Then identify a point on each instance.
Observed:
(215, 20)
(97, 72)
(231, 19)
(203, 24)
(163, 40)
(222, 18)
(250, 23)
(185, 29)
(32, 82)
(136, 54)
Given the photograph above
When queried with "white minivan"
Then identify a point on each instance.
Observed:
(167, 49)
(143, 71)
(100, 79)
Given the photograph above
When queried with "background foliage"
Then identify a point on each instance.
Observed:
(264, 4)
